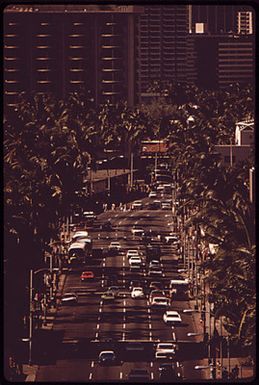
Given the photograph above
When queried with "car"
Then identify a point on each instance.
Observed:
(137, 292)
(135, 259)
(132, 252)
(138, 375)
(89, 216)
(166, 206)
(160, 302)
(80, 234)
(116, 290)
(172, 316)
(136, 205)
(114, 246)
(155, 285)
(152, 194)
(86, 275)
(165, 350)
(137, 232)
(155, 270)
(108, 296)
(168, 371)
(154, 263)
(172, 239)
(107, 357)
(133, 284)
(107, 226)
(69, 299)
(157, 293)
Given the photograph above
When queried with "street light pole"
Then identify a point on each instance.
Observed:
(30, 317)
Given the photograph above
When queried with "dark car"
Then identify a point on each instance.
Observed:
(167, 371)
(107, 357)
(139, 375)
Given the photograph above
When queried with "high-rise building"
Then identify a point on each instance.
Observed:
(62, 48)
(161, 34)
(229, 18)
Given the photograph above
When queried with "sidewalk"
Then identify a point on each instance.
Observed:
(245, 372)
(31, 371)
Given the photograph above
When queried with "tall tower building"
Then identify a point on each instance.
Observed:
(63, 48)
(244, 22)
(161, 34)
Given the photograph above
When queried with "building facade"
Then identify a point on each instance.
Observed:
(62, 49)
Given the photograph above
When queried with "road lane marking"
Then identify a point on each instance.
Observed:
(101, 303)
(124, 326)
(148, 308)
(123, 336)
(90, 376)
(150, 326)
(116, 215)
(123, 273)
(100, 310)
(99, 318)
(92, 364)
(152, 375)
(98, 326)
(174, 335)
(124, 310)
(151, 364)
(103, 263)
(177, 364)
(96, 335)
(124, 302)
(119, 222)
(121, 374)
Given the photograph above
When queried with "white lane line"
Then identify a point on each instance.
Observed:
(123, 336)
(152, 375)
(104, 263)
(102, 276)
(147, 215)
(124, 326)
(148, 309)
(119, 222)
(124, 280)
(173, 334)
(150, 326)
(172, 327)
(177, 364)
(150, 338)
(121, 374)
(90, 376)
(123, 273)
(124, 302)
(102, 282)
(92, 364)
(96, 335)
(116, 215)
(99, 318)
(101, 303)
(124, 310)
(100, 310)
(151, 364)
(123, 263)
(98, 326)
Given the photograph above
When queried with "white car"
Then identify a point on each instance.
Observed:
(172, 239)
(154, 263)
(131, 253)
(137, 292)
(114, 245)
(162, 302)
(152, 194)
(137, 205)
(165, 350)
(135, 259)
(137, 232)
(80, 234)
(172, 316)
(69, 298)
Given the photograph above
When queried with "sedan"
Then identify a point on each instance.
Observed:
(172, 316)
(172, 239)
(136, 232)
(135, 259)
(107, 357)
(137, 292)
(114, 246)
(86, 275)
(131, 253)
(154, 263)
(152, 194)
(137, 205)
(69, 299)
(155, 271)
(108, 296)
(165, 350)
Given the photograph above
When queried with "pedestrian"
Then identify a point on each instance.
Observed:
(235, 372)
(224, 374)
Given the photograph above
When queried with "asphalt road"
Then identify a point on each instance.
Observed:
(94, 319)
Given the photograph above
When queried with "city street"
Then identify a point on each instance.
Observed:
(126, 318)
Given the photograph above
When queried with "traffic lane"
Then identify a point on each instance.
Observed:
(67, 370)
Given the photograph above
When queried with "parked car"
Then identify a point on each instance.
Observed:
(137, 292)
(172, 316)
(132, 252)
(107, 357)
(136, 205)
(69, 299)
(86, 275)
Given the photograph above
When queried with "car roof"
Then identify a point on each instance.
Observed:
(137, 288)
(172, 312)
(107, 352)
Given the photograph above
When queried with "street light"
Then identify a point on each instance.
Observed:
(194, 334)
